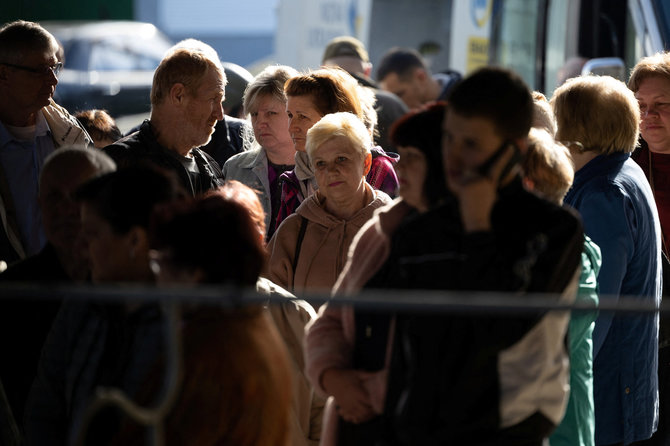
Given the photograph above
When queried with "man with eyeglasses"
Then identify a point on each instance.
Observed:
(31, 127)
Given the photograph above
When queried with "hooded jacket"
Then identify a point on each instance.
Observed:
(324, 248)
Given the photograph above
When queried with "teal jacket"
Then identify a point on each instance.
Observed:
(578, 425)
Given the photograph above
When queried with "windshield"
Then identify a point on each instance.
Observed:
(662, 8)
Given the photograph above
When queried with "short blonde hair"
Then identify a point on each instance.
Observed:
(343, 124)
(548, 166)
(187, 65)
(598, 112)
(543, 115)
(657, 65)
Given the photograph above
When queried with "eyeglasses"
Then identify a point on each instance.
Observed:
(42, 71)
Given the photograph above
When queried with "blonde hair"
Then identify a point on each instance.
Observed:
(548, 166)
(343, 124)
(598, 112)
(657, 65)
(543, 115)
(187, 65)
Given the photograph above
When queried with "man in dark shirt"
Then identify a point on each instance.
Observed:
(186, 98)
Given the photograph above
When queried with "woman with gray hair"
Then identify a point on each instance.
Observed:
(271, 147)
(598, 119)
(310, 248)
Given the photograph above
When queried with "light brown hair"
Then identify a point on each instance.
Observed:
(548, 166)
(183, 65)
(332, 90)
(657, 65)
(598, 112)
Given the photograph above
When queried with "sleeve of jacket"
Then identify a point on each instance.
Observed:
(326, 344)
(382, 176)
(610, 221)
(46, 419)
(281, 251)
(120, 153)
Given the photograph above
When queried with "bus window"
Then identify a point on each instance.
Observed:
(515, 43)
(561, 44)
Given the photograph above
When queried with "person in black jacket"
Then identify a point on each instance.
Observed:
(62, 260)
(186, 97)
(482, 379)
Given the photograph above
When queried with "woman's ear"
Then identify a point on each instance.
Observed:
(367, 163)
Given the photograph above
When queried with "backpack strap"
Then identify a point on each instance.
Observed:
(298, 243)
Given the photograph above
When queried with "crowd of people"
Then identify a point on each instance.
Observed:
(334, 185)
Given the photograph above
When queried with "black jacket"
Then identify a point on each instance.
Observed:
(227, 139)
(443, 381)
(142, 147)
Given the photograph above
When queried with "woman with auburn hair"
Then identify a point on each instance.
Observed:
(236, 385)
(310, 97)
(308, 252)
(290, 316)
(598, 119)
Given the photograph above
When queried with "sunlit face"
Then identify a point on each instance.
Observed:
(409, 90)
(339, 168)
(654, 99)
(466, 143)
(29, 91)
(270, 124)
(412, 169)
(109, 252)
(302, 115)
(204, 109)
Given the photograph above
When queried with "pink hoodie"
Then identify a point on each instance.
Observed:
(330, 338)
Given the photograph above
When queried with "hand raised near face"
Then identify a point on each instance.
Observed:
(478, 189)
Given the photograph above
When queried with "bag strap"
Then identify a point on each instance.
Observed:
(298, 243)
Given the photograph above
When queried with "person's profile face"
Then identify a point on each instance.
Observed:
(467, 142)
(30, 84)
(110, 254)
(408, 90)
(302, 115)
(203, 109)
(412, 169)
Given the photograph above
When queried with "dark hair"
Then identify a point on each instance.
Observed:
(213, 233)
(422, 129)
(400, 61)
(126, 198)
(99, 125)
(496, 94)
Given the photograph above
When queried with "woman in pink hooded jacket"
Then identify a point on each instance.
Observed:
(352, 369)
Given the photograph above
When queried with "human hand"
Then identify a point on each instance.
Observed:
(478, 189)
(351, 398)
